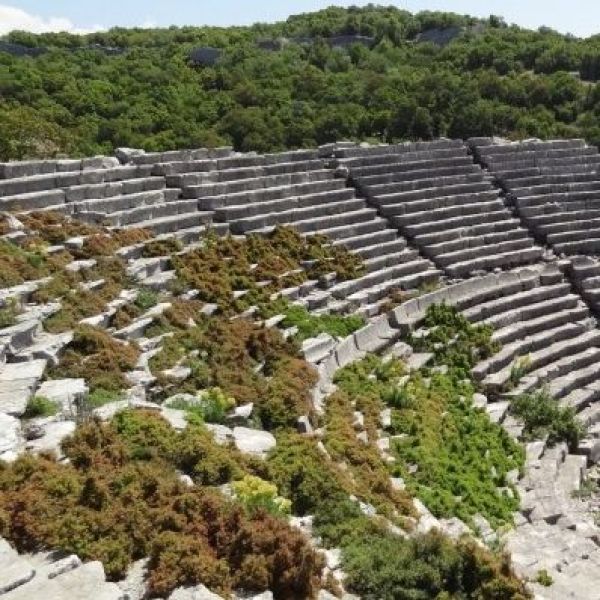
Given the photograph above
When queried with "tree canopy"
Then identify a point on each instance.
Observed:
(137, 87)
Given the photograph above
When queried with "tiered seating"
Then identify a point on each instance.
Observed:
(548, 340)
(254, 193)
(442, 202)
(585, 275)
(99, 191)
(555, 186)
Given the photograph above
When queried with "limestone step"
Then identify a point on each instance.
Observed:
(390, 259)
(392, 165)
(589, 245)
(525, 306)
(175, 222)
(493, 215)
(411, 267)
(429, 192)
(254, 209)
(264, 194)
(151, 212)
(562, 386)
(565, 198)
(501, 260)
(522, 347)
(323, 223)
(427, 204)
(378, 250)
(521, 329)
(586, 230)
(369, 240)
(312, 216)
(92, 191)
(437, 237)
(472, 241)
(557, 220)
(544, 359)
(417, 179)
(32, 200)
(340, 233)
(251, 181)
(369, 296)
(407, 147)
(449, 212)
(115, 204)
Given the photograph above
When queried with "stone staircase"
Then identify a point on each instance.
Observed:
(48, 575)
(442, 202)
(554, 186)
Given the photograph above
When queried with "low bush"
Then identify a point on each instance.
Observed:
(9, 313)
(449, 454)
(210, 406)
(312, 325)
(261, 265)
(164, 247)
(246, 361)
(304, 474)
(454, 341)
(146, 299)
(97, 357)
(39, 406)
(256, 495)
(543, 417)
(120, 498)
(382, 566)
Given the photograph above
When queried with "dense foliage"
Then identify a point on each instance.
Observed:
(236, 274)
(544, 418)
(447, 452)
(79, 98)
(120, 499)
(382, 566)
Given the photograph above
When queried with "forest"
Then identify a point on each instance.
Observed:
(136, 87)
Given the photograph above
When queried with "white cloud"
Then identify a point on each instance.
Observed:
(15, 18)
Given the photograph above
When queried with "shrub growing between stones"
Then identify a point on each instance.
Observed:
(120, 499)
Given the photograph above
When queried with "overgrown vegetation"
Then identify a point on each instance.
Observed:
(494, 79)
(260, 265)
(39, 406)
(449, 454)
(544, 418)
(312, 325)
(210, 406)
(382, 566)
(248, 362)
(97, 357)
(120, 499)
(454, 341)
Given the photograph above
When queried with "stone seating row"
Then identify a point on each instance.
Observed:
(443, 203)
(554, 187)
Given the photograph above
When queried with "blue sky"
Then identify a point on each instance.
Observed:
(580, 17)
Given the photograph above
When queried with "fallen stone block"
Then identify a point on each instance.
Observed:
(253, 441)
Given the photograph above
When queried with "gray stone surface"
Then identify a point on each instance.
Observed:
(198, 592)
(66, 392)
(253, 441)
(10, 436)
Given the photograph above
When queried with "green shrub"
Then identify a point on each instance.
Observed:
(454, 341)
(544, 578)
(119, 498)
(257, 494)
(100, 397)
(303, 474)
(385, 567)
(39, 406)
(146, 299)
(518, 370)
(9, 313)
(543, 416)
(312, 325)
(211, 406)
